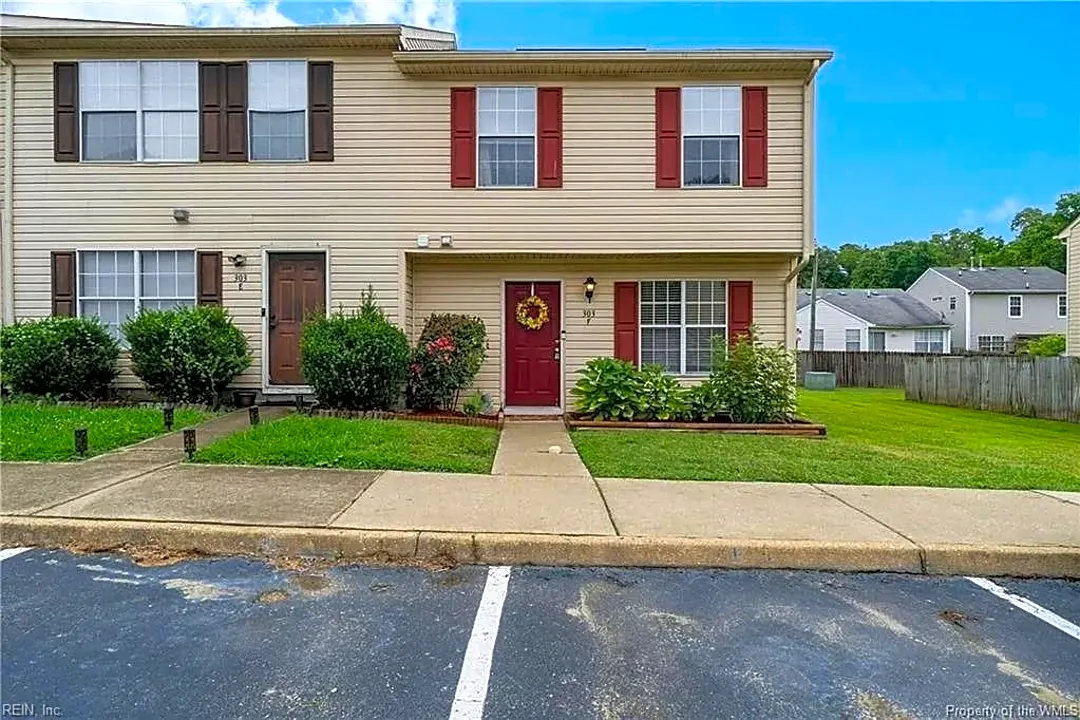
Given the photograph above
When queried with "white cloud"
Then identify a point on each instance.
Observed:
(1003, 212)
(437, 14)
(218, 13)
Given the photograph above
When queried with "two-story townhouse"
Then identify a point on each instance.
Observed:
(647, 200)
(992, 309)
(1071, 237)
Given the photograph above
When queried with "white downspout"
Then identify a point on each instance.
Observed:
(808, 241)
(7, 234)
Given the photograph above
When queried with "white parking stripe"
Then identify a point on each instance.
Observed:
(476, 668)
(1047, 616)
(12, 552)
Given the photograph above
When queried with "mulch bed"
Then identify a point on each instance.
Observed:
(94, 404)
(796, 428)
(444, 417)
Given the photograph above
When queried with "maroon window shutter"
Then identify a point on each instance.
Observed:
(235, 104)
(208, 281)
(65, 112)
(211, 113)
(755, 129)
(668, 141)
(626, 321)
(740, 308)
(549, 137)
(63, 283)
(321, 111)
(463, 137)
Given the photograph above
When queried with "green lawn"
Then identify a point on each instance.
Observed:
(47, 432)
(875, 438)
(305, 441)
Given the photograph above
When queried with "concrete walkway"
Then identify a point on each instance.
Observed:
(535, 507)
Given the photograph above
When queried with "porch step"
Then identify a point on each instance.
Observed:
(513, 413)
(532, 418)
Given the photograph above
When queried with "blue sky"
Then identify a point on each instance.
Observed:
(931, 116)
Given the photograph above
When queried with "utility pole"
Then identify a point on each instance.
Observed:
(813, 302)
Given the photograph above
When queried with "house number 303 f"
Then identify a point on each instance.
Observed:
(588, 313)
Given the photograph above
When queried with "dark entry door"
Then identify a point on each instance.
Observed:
(297, 289)
(532, 356)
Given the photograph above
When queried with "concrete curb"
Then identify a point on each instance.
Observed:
(389, 546)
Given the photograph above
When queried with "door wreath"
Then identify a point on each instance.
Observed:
(532, 313)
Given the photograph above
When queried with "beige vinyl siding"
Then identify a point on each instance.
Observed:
(476, 287)
(4, 70)
(390, 182)
(1073, 291)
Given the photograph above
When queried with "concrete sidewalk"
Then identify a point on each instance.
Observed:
(536, 508)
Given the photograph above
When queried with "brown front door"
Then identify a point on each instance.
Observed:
(297, 289)
(532, 356)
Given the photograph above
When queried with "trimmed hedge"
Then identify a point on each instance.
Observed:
(66, 358)
(186, 355)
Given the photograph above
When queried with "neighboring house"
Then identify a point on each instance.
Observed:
(991, 309)
(855, 320)
(282, 171)
(1071, 237)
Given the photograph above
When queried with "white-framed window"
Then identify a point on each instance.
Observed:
(852, 340)
(936, 298)
(711, 135)
(277, 110)
(931, 341)
(819, 338)
(506, 136)
(678, 321)
(1016, 306)
(115, 284)
(991, 343)
(139, 110)
(952, 302)
(1063, 306)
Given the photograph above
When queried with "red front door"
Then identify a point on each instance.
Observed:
(532, 356)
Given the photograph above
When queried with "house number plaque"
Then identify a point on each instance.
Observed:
(240, 278)
(588, 313)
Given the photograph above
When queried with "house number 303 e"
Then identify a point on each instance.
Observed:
(240, 278)
(588, 313)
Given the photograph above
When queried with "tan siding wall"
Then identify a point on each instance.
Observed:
(476, 288)
(4, 70)
(389, 183)
(1073, 291)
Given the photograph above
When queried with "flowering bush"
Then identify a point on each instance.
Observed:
(446, 360)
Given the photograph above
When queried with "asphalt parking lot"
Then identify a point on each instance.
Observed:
(97, 636)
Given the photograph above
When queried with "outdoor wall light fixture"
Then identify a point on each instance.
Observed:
(590, 288)
(238, 260)
(181, 215)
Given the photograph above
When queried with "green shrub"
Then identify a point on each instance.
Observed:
(446, 360)
(663, 397)
(1047, 346)
(355, 361)
(704, 402)
(64, 357)
(609, 389)
(186, 355)
(479, 403)
(754, 382)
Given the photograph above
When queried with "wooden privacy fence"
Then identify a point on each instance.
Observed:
(1032, 386)
(857, 369)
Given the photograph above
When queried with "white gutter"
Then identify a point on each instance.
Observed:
(7, 233)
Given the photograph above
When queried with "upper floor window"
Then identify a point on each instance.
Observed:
(139, 110)
(1016, 306)
(712, 128)
(277, 106)
(1063, 306)
(506, 136)
(952, 302)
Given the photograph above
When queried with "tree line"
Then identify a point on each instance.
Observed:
(898, 265)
